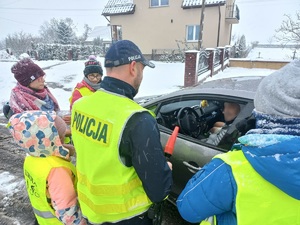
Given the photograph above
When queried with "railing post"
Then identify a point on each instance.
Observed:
(227, 55)
(190, 71)
(222, 49)
(211, 60)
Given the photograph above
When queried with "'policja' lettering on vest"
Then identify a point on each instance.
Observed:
(92, 128)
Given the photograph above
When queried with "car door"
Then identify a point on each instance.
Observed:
(191, 153)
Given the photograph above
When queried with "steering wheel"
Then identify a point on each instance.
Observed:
(189, 122)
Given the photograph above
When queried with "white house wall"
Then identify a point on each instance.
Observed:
(152, 28)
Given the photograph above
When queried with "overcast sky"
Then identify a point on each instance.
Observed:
(258, 18)
(29, 15)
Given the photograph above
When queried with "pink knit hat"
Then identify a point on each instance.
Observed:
(26, 71)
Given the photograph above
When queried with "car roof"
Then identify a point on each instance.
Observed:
(243, 87)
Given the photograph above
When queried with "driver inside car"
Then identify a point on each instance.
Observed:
(217, 132)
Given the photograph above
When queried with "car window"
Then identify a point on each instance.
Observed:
(152, 108)
(202, 120)
(177, 105)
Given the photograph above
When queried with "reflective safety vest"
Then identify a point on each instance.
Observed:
(209, 221)
(84, 91)
(108, 191)
(258, 201)
(36, 171)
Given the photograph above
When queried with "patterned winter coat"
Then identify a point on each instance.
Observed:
(40, 133)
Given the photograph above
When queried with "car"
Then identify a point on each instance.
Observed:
(195, 110)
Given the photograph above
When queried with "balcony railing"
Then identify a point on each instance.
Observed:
(232, 14)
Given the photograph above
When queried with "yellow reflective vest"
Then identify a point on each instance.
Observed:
(84, 91)
(108, 191)
(258, 201)
(209, 221)
(36, 171)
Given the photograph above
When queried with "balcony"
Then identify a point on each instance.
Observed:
(232, 14)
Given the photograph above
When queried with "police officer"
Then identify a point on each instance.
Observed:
(120, 161)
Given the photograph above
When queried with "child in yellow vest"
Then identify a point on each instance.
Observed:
(50, 176)
(93, 73)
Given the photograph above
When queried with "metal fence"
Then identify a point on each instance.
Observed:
(203, 62)
(212, 60)
(168, 55)
(226, 54)
(217, 57)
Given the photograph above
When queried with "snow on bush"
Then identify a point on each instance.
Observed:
(24, 56)
(5, 56)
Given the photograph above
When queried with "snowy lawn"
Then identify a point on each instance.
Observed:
(164, 78)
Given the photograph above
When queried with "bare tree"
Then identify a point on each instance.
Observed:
(58, 31)
(19, 42)
(289, 31)
(86, 32)
(239, 48)
(2, 44)
(47, 31)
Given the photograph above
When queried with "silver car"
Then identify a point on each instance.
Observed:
(195, 110)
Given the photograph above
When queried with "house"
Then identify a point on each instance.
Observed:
(103, 33)
(171, 24)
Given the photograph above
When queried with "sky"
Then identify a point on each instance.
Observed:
(258, 18)
(29, 15)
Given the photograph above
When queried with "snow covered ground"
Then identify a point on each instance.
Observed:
(283, 54)
(164, 78)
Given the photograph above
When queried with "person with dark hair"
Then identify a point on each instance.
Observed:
(50, 176)
(258, 181)
(93, 73)
(120, 163)
(30, 93)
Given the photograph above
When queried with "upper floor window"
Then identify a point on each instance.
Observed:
(157, 3)
(192, 32)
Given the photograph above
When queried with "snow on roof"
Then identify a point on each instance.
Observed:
(197, 3)
(114, 7)
(102, 32)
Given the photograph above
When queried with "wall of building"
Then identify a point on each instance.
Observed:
(159, 28)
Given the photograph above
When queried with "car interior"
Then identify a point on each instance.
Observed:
(195, 118)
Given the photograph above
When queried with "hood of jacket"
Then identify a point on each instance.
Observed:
(276, 157)
(36, 133)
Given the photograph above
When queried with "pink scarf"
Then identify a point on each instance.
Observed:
(23, 99)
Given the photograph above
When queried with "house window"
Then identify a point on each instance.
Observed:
(116, 32)
(157, 3)
(192, 32)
